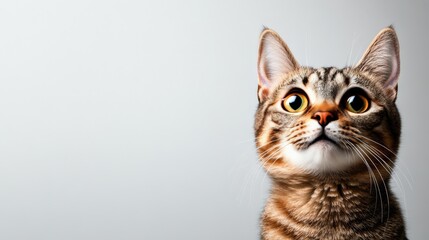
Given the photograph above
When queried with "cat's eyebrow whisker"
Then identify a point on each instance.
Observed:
(351, 51)
(305, 48)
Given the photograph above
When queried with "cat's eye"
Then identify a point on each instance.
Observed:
(295, 102)
(357, 103)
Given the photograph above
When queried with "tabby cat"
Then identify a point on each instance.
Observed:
(328, 138)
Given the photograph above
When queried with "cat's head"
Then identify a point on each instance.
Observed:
(327, 120)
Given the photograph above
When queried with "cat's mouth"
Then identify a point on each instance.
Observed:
(323, 138)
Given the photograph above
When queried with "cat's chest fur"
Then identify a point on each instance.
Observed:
(330, 210)
(322, 202)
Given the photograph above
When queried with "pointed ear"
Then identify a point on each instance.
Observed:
(381, 59)
(274, 60)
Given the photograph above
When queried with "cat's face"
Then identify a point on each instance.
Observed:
(327, 120)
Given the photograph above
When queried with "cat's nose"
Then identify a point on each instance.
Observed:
(325, 117)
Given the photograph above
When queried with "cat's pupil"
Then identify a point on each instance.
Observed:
(295, 102)
(356, 103)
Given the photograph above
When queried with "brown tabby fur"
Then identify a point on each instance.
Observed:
(352, 203)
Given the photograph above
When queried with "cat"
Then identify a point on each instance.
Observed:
(328, 139)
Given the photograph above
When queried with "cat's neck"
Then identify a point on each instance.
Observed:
(322, 200)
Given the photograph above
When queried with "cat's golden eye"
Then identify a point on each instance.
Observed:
(357, 104)
(295, 102)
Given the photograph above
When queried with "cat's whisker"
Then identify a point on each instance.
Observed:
(351, 50)
(372, 176)
(250, 140)
(348, 151)
(305, 49)
(389, 168)
(260, 166)
(248, 177)
(281, 148)
(374, 151)
(382, 180)
(383, 146)
(267, 144)
(263, 154)
(350, 146)
(379, 144)
(264, 158)
(251, 171)
(386, 157)
(394, 177)
(382, 162)
(289, 128)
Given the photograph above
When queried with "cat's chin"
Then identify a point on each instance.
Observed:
(325, 145)
(321, 156)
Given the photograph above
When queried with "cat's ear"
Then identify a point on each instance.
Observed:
(274, 60)
(381, 59)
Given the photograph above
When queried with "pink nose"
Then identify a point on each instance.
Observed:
(324, 117)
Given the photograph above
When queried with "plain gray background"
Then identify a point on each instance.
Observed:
(133, 119)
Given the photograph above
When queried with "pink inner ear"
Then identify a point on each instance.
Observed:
(392, 81)
(263, 79)
(263, 85)
(274, 61)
